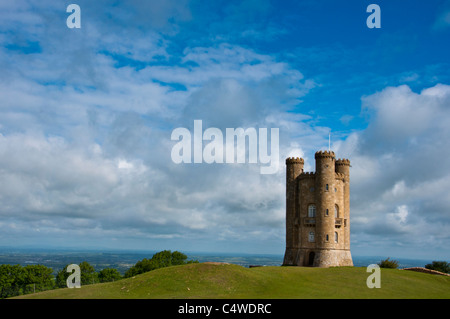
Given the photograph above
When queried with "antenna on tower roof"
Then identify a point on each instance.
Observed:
(329, 141)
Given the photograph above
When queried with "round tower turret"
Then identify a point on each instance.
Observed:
(325, 199)
(294, 167)
(343, 167)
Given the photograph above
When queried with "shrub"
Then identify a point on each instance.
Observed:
(441, 266)
(388, 264)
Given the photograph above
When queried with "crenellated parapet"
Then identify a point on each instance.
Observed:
(340, 176)
(295, 160)
(324, 154)
(343, 161)
(307, 175)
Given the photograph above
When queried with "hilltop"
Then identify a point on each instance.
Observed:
(217, 281)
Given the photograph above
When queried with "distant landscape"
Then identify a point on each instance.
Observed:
(123, 260)
(32, 272)
(218, 281)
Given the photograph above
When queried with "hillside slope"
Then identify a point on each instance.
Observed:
(208, 280)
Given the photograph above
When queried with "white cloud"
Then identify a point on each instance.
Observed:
(392, 104)
(400, 215)
(398, 173)
(85, 123)
(86, 142)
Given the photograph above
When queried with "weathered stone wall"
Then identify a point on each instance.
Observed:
(343, 168)
(294, 167)
(325, 199)
(306, 187)
(329, 190)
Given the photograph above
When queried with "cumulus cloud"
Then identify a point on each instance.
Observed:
(399, 175)
(86, 119)
(85, 132)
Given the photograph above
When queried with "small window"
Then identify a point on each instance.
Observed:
(311, 189)
(326, 212)
(335, 189)
(336, 236)
(326, 187)
(336, 211)
(312, 210)
(326, 238)
(311, 237)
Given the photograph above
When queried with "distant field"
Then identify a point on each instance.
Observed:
(205, 280)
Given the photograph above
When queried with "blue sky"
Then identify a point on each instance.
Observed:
(86, 117)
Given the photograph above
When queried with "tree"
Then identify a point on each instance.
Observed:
(61, 277)
(17, 280)
(88, 274)
(140, 267)
(109, 274)
(11, 277)
(441, 266)
(161, 259)
(178, 258)
(37, 278)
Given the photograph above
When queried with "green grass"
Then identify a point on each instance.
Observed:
(203, 280)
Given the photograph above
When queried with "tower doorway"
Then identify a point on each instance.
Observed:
(311, 259)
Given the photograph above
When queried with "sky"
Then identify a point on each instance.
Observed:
(87, 115)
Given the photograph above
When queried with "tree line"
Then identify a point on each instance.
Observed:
(18, 280)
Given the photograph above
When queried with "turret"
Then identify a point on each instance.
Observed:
(325, 198)
(294, 167)
(343, 167)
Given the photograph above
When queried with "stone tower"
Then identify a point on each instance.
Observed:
(318, 212)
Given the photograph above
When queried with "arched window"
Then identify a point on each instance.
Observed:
(312, 210)
(326, 238)
(336, 236)
(336, 211)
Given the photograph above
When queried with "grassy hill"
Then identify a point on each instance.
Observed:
(206, 280)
